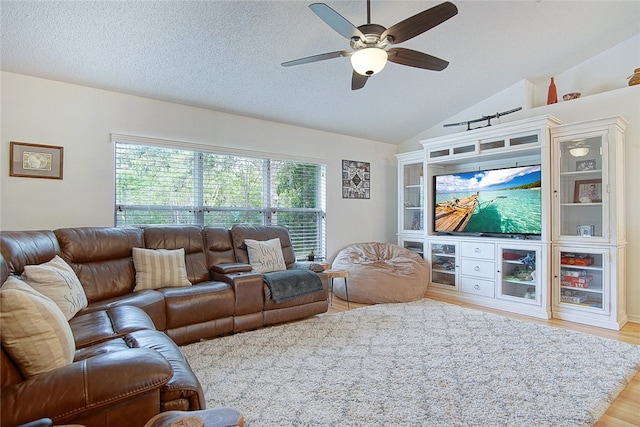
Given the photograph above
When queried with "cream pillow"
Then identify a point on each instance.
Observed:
(35, 332)
(57, 280)
(159, 268)
(265, 256)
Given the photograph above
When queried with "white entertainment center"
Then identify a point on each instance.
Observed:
(573, 269)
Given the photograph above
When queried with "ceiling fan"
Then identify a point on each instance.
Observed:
(369, 41)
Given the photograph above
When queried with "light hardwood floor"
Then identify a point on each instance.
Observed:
(624, 411)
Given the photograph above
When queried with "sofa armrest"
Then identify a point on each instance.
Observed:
(235, 267)
(248, 291)
(85, 387)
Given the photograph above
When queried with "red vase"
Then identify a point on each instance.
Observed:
(552, 97)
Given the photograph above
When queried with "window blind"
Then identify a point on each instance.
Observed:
(160, 185)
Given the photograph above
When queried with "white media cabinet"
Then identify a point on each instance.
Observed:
(541, 276)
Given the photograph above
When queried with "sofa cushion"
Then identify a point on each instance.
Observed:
(188, 237)
(57, 280)
(265, 256)
(20, 248)
(35, 332)
(159, 268)
(241, 232)
(101, 257)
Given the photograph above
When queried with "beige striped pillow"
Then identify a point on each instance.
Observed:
(35, 332)
(159, 268)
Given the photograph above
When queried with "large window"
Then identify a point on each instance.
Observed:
(163, 185)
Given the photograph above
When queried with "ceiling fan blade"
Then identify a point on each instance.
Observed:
(413, 58)
(358, 81)
(421, 22)
(336, 21)
(316, 58)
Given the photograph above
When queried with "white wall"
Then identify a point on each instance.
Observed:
(81, 119)
(602, 80)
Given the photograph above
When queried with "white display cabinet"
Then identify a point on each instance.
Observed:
(504, 274)
(589, 222)
(414, 245)
(520, 267)
(443, 260)
(498, 270)
(411, 193)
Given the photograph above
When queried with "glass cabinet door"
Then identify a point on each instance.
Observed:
(413, 197)
(413, 245)
(582, 277)
(582, 186)
(443, 260)
(518, 279)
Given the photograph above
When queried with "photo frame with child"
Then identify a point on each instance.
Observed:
(588, 191)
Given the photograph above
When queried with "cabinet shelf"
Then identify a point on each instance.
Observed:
(519, 282)
(588, 290)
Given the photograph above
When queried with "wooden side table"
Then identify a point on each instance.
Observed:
(215, 417)
(332, 274)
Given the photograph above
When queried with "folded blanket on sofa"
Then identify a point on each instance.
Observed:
(288, 284)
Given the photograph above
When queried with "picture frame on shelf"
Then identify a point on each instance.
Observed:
(588, 191)
(35, 160)
(585, 165)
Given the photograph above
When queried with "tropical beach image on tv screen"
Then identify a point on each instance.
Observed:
(501, 201)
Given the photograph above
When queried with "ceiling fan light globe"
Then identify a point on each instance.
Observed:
(369, 61)
(579, 151)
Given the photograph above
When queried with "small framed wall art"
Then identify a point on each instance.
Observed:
(35, 160)
(355, 180)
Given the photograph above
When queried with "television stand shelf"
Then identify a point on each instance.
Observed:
(478, 259)
(519, 198)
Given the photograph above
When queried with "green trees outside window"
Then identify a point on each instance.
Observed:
(158, 185)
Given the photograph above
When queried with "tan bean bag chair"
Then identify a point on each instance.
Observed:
(380, 273)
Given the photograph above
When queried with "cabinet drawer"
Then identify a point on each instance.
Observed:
(477, 268)
(478, 250)
(478, 287)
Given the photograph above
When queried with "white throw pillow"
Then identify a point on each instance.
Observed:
(35, 332)
(57, 280)
(265, 256)
(159, 268)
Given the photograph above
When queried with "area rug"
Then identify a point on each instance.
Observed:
(426, 363)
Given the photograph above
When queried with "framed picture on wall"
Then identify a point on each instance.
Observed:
(35, 160)
(355, 180)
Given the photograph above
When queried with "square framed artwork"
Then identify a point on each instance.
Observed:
(35, 160)
(588, 191)
(356, 182)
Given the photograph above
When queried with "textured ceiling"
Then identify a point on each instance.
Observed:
(226, 55)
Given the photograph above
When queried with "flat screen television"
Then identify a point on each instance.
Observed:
(505, 201)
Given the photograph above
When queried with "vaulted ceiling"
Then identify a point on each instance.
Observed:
(226, 55)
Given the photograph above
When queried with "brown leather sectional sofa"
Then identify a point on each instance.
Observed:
(127, 365)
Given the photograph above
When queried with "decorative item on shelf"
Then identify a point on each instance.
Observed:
(585, 230)
(571, 95)
(634, 79)
(552, 96)
(529, 260)
(311, 256)
(588, 191)
(530, 293)
(576, 259)
(585, 165)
